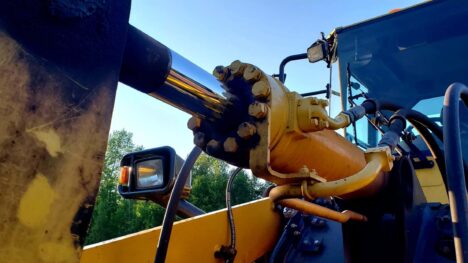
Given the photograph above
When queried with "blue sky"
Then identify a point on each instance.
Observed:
(211, 33)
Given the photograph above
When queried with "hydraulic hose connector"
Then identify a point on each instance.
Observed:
(311, 114)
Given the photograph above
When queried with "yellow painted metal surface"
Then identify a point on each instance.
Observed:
(284, 150)
(196, 239)
(432, 184)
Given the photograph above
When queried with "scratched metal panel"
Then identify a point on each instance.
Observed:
(59, 65)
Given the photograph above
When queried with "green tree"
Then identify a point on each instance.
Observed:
(209, 179)
(114, 216)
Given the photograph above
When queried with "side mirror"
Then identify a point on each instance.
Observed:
(317, 51)
(149, 174)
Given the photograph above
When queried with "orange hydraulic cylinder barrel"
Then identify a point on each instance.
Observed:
(331, 155)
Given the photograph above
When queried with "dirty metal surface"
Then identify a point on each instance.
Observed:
(59, 69)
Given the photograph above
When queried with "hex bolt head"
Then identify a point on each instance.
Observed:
(246, 130)
(230, 145)
(220, 73)
(315, 221)
(261, 89)
(199, 139)
(446, 250)
(237, 68)
(324, 124)
(324, 103)
(314, 101)
(317, 243)
(194, 123)
(213, 146)
(314, 121)
(258, 110)
(252, 73)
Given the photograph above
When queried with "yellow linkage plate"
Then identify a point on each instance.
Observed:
(196, 239)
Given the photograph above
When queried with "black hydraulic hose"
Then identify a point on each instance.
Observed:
(391, 138)
(232, 228)
(421, 122)
(454, 164)
(285, 61)
(369, 106)
(171, 208)
(413, 115)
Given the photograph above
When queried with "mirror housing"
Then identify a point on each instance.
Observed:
(317, 51)
(149, 174)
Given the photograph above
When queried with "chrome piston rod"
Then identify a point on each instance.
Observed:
(153, 68)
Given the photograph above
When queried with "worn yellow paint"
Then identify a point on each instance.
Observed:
(51, 140)
(432, 184)
(56, 252)
(36, 201)
(196, 239)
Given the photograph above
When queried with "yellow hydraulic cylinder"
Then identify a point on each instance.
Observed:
(325, 151)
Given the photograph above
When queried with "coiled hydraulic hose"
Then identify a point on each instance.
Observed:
(171, 208)
(454, 165)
